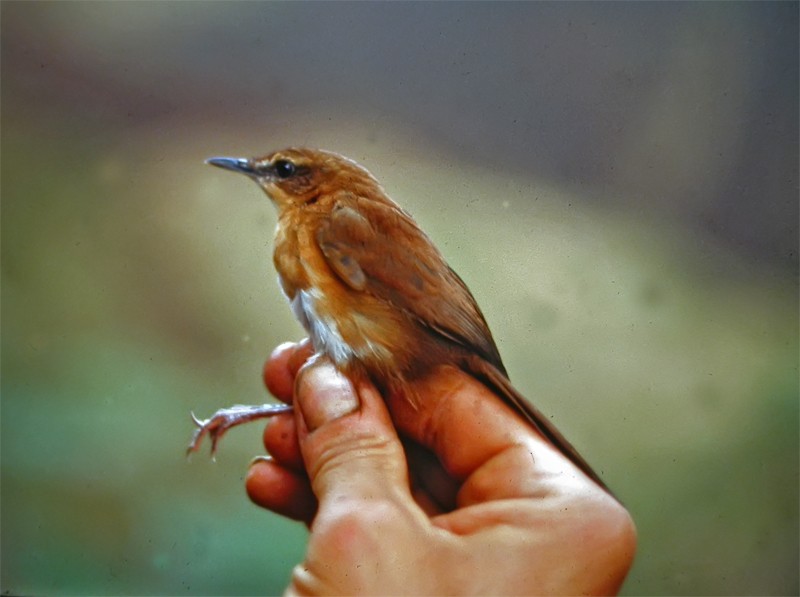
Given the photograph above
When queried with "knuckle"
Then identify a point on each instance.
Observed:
(353, 451)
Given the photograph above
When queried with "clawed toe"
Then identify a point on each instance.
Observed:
(222, 420)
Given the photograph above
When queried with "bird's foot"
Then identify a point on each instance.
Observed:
(225, 418)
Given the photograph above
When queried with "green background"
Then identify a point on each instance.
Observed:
(617, 183)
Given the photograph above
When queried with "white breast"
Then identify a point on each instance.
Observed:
(322, 330)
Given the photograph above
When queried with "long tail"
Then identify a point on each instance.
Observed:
(497, 381)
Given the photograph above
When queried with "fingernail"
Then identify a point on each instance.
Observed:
(324, 394)
(258, 459)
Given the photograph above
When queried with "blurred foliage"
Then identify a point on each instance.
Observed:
(137, 283)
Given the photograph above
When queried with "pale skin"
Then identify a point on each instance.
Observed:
(471, 500)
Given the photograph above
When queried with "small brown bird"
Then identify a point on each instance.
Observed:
(370, 288)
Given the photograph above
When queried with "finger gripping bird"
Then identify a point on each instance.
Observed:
(373, 292)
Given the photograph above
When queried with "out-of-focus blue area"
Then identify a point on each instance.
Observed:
(617, 182)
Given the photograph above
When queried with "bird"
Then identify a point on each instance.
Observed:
(370, 288)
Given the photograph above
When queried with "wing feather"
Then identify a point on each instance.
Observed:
(387, 255)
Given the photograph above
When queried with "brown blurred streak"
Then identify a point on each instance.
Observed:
(31, 74)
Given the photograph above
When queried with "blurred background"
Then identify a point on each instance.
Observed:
(617, 183)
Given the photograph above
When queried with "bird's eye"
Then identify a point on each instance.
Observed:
(284, 168)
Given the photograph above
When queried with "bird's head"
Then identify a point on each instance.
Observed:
(295, 177)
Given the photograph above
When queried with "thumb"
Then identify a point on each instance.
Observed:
(348, 442)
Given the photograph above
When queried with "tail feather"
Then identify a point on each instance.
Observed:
(499, 382)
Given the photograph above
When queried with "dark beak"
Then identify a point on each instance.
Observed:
(241, 165)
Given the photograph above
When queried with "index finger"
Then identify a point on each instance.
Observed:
(282, 366)
(466, 425)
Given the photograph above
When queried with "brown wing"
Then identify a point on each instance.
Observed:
(377, 248)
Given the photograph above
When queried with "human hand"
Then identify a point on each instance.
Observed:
(472, 500)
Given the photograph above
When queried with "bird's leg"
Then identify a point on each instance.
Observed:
(225, 418)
